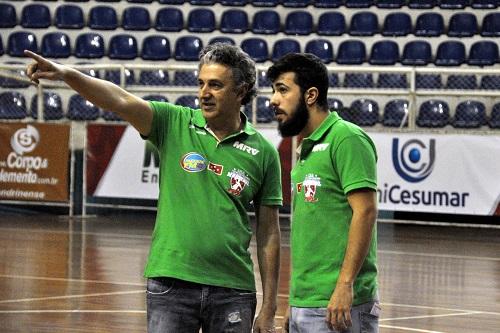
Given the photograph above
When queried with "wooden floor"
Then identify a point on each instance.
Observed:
(72, 275)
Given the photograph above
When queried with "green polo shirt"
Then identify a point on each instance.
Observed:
(336, 158)
(202, 231)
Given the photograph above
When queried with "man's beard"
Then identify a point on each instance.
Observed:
(297, 122)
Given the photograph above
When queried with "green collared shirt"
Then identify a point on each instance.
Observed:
(336, 158)
(202, 230)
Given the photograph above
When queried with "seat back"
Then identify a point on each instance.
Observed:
(384, 52)
(69, 17)
(417, 53)
(284, 46)
(186, 78)
(234, 21)
(56, 45)
(114, 76)
(365, 112)
(156, 47)
(103, 18)
(421, 4)
(331, 24)
(89, 45)
(8, 14)
(123, 46)
(157, 77)
(483, 53)
(299, 22)
(12, 105)
(52, 106)
(201, 20)
(358, 80)
(169, 19)
(256, 48)
(35, 16)
(397, 24)
(190, 101)
(494, 120)
(484, 4)
(187, 48)
(136, 18)
(81, 109)
(266, 22)
(351, 52)
(428, 81)
(490, 82)
(358, 3)
(469, 114)
(322, 48)
(450, 53)
(453, 4)
(392, 81)
(460, 82)
(429, 24)
(396, 113)
(433, 113)
(390, 3)
(328, 3)
(491, 25)
(295, 3)
(20, 41)
(364, 24)
(222, 39)
(462, 25)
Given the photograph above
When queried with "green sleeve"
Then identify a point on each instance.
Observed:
(270, 193)
(161, 117)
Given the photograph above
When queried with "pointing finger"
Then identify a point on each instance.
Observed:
(33, 55)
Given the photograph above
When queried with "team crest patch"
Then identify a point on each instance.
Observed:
(310, 187)
(193, 162)
(238, 180)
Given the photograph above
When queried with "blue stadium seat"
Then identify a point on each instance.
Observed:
(52, 106)
(169, 19)
(396, 113)
(81, 109)
(256, 48)
(201, 20)
(158, 98)
(190, 101)
(156, 47)
(365, 112)
(110, 116)
(363, 24)
(8, 14)
(234, 21)
(358, 3)
(56, 45)
(20, 41)
(103, 18)
(421, 4)
(461, 82)
(322, 48)
(157, 77)
(490, 82)
(484, 4)
(14, 82)
(450, 53)
(483, 53)
(266, 22)
(90, 72)
(331, 24)
(264, 3)
(390, 3)
(462, 25)
(186, 78)
(433, 113)
(123, 46)
(114, 76)
(295, 3)
(428, 81)
(334, 103)
(346, 113)
(1, 46)
(284, 46)
(35, 16)
(136, 18)
(262, 79)
(351, 52)
(397, 24)
(12, 105)
(453, 4)
(392, 81)
(469, 114)
(494, 120)
(187, 48)
(417, 53)
(171, 2)
(333, 80)
(202, 2)
(491, 25)
(233, 2)
(140, 1)
(358, 80)
(384, 52)
(299, 22)
(429, 25)
(265, 114)
(222, 39)
(89, 45)
(328, 3)
(69, 17)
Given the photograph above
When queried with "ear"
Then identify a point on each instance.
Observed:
(242, 91)
(311, 96)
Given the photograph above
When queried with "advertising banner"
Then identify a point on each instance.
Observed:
(34, 161)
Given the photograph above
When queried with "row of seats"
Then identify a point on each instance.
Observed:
(417, 4)
(187, 48)
(364, 112)
(264, 22)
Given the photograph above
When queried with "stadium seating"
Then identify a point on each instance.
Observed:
(158, 77)
(265, 114)
(114, 76)
(322, 48)
(392, 81)
(365, 112)
(429, 25)
(284, 46)
(35, 16)
(484, 4)
(358, 3)
(421, 4)
(462, 25)
(262, 79)
(20, 41)
(395, 112)
(351, 52)
(201, 20)
(123, 46)
(358, 80)
(490, 82)
(171, 2)
(469, 114)
(56, 45)
(331, 24)
(256, 48)
(156, 47)
(8, 14)
(169, 19)
(460, 82)
(69, 17)
(234, 21)
(494, 120)
(222, 39)
(295, 3)
(453, 4)
(483, 53)
(266, 22)
(15, 83)
(187, 48)
(328, 3)
(299, 23)
(136, 18)
(233, 2)
(334, 104)
(1, 46)
(433, 113)
(158, 98)
(450, 53)
(52, 106)
(89, 45)
(80, 109)
(390, 3)
(264, 3)
(384, 52)
(186, 78)
(428, 81)
(110, 116)
(103, 18)
(491, 25)
(363, 24)
(397, 24)
(190, 101)
(12, 105)
(417, 53)
(333, 80)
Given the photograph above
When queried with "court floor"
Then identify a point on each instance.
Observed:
(85, 275)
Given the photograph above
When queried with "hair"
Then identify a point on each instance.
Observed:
(242, 66)
(309, 72)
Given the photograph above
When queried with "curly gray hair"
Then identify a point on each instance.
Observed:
(241, 64)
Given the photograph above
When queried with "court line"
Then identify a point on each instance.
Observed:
(73, 311)
(437, 255)
(437, 308)
(409, 329)
(433, 316)
(27, 277)
(20, 300)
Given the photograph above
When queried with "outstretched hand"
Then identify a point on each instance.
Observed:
(42, 68)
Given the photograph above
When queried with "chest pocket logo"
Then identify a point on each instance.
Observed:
(193, 162)
(310, 186)
(238, 181)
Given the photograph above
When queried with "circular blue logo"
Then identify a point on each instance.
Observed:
(193, 162)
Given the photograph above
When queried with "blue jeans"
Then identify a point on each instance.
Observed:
(313, 320)
(177, 306)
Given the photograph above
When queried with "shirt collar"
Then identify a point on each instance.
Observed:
(324, 126)
(200, 121)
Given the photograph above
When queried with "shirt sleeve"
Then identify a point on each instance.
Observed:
(270, 193)
(159, 126)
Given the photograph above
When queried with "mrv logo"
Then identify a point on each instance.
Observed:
(414, 160)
